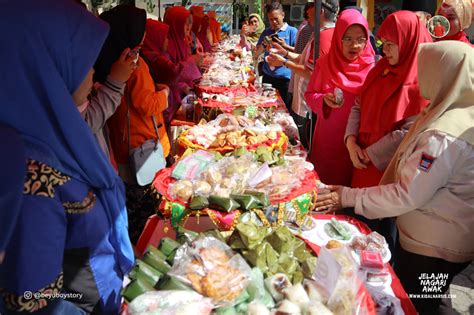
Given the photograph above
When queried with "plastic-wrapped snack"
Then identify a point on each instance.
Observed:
(371, 260)
(182, 189)
(257, 308)
(317, 308)
(256, 289)
(276, 284)
(212, 269)
(376, 238)
(297, 295)
(315, 291)
(191, 166)
(287, 307)
(202, 188)
(170, 302)
(359, 243)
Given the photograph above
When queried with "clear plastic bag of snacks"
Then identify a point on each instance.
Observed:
(212, 269)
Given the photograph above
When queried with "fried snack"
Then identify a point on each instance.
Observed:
(214, 255)
(212, 275)
(332, 244)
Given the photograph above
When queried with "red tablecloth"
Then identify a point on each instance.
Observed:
(156, 228)
(396, 285)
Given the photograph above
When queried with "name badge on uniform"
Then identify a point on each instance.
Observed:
(426, 162)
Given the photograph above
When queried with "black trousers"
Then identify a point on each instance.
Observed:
(281, 85)
(436, 275)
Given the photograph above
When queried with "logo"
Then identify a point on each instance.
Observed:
(433, 282)
(426, 162)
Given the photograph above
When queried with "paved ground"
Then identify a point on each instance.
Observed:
(463, 287)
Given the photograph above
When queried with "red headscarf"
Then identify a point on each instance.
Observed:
(163, 70)
(215, 26)
(347, 75)
(201, 32)
(156, 33)
(176, 18)
(391, 93)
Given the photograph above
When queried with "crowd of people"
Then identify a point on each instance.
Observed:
(390, 132)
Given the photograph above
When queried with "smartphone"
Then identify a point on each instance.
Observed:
(274, 37)
(134, 55)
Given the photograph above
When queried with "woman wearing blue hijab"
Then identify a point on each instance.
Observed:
(69, 233)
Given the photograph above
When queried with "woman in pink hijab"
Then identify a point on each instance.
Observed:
(335, 83)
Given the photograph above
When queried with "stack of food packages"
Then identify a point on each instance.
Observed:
(227, 67)
(254, 270)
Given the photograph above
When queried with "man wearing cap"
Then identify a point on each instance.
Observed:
(279, 31)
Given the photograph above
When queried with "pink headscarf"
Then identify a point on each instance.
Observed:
(156, 33)
(347, 75)
(176, 18)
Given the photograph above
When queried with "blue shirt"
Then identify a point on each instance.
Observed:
(288, 34)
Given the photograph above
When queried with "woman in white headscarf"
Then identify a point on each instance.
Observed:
(428, 184)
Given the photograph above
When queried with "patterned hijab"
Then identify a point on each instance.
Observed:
(40, 84)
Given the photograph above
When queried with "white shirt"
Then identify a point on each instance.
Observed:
(433, 199)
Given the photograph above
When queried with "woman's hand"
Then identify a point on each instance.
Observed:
(330, 199)
(359, 157)
(245, 30)
(163, 88)
(275, 60)
(123, 67)
(278, 49)
(330, 100)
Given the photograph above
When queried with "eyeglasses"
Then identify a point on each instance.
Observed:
(358, 41)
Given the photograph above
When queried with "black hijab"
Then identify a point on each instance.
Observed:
(127, 28)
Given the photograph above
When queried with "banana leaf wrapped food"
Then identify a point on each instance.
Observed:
(251, 234)
(246, 202)
(222, 203)
(261, 256)
(171, 283)
(145, 273)
(135, 288)
(156, 262)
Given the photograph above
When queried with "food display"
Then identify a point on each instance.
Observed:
(227, 133)
(242, 167)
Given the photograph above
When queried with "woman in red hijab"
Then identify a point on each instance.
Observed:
(202, 32)
(215, 27)
(345, 68)
(459, 15)
(389, 100)
(163, 71)
(178, 18)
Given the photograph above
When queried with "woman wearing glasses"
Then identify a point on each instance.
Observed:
(336, 81)
(389, 103)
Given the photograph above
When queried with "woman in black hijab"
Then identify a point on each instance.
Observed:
(127, 30)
